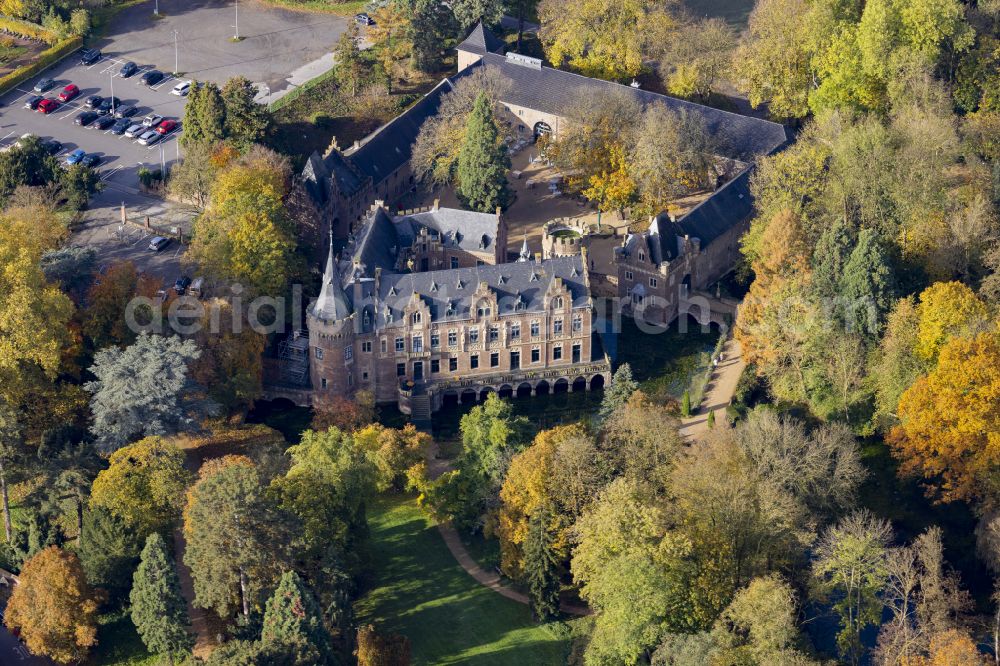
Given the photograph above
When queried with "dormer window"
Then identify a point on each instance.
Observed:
(642, 256)
(484, 310)
(415, 318)
(557, 303)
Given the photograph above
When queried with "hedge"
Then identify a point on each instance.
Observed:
(27, 29)
(45, 58)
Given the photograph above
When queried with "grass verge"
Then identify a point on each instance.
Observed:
(118, 644)
(421, 592)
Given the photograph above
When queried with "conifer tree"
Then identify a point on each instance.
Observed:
(621, 389)
(483, 162)
(541, 565)
(159, 612)
(351, 69)
(293, 625)
(204, 114)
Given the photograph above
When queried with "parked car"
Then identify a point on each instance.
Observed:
(85, 118)
(90, 56)
(135, 130)
(152, 120)
(104, 122)
(149, 138)
(69, 92)
(181, 285)
(128, 69)
(182, 88)
(52, 146)
(166, 127)
(91, 160)
(158, 243)
(152, 77)
(76, 156)
(120, 126)
(47, 106)
(363, 19)
(43, 85)
(126, 111)
(107, 104)
(197, 288)
(94, 101)
(32, 102)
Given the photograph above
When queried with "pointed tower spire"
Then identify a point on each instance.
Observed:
(332, 302)
(525, 252)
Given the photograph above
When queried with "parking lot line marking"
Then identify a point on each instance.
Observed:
(4, 137)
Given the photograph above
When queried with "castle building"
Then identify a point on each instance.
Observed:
(426, 335)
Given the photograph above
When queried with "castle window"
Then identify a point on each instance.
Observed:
(418, 343)
(557, 303)
(484, 310)
(452, 338)
(474, 361)
(322, 382)
(368, 319)
(435, 366)
(350, 380)
(515, 330)
(348, 352)
(557, 327)
(452, 364)
(557, 353)
(400, 369)
(366, 347)
(454, 262)
(628, 275)
(642, 256)
(577, 324)
(473, 335)
(652, 282)
(415, 318)
(494, 359)
(364, 376)
(400, 345)
(494, 333)
(536, 355)
(384, 345)
(535, 328)
(435, 340)
(319, 353)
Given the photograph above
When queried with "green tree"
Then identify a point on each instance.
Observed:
(247, 122)
(191, 180)
(293, 624)
(483, 162)
(868, 284)
(11, 448)
(542, 565)
(232, 548)
(431, 23)
(158, 610)
(79, 183)
(204, 114)
(621, 389)
(145, 389)
(79, 22)
(851, 562)
(698, 58)
(352, 68)
(491, 435)
(832, 251)
(27, 163)
(109, 551)
(469, 12)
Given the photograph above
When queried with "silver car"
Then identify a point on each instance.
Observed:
(135, 130)
(149, 138)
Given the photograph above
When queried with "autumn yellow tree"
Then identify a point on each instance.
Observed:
(53, 608)
(613, 188)
(949, 429)
(601, 39)
(143, 484)
(230, 365)
(394, 451)
(947, 309)
(525, 489)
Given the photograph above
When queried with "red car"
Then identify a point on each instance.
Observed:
(166, 126)
(69, 92)
(47, 106)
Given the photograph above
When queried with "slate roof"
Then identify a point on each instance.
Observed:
(390, 146)
(554, 91)
(481, 40)
(332, 303)
(524, 282)
(377, 244)
(466, 229)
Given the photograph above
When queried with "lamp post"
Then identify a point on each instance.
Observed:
(111, 75)
(237, 26)
(156, 8)
(176, 68)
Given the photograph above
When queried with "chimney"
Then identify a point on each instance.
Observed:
(124, 220)
(378, 278)
(437, 204)
(357, 144)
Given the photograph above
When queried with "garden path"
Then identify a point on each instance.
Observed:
(719, 393)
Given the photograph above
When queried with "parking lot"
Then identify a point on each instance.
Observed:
(121, 157)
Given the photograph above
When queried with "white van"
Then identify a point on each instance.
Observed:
(182, 88)
(197, 288)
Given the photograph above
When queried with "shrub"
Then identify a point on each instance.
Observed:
(44, 59)
(686, 404)
(27, 29)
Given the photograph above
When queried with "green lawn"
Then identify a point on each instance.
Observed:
(421, 592)
(665, 363)
(735, 12)
(118, 644)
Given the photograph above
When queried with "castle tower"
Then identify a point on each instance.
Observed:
(331, 335)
